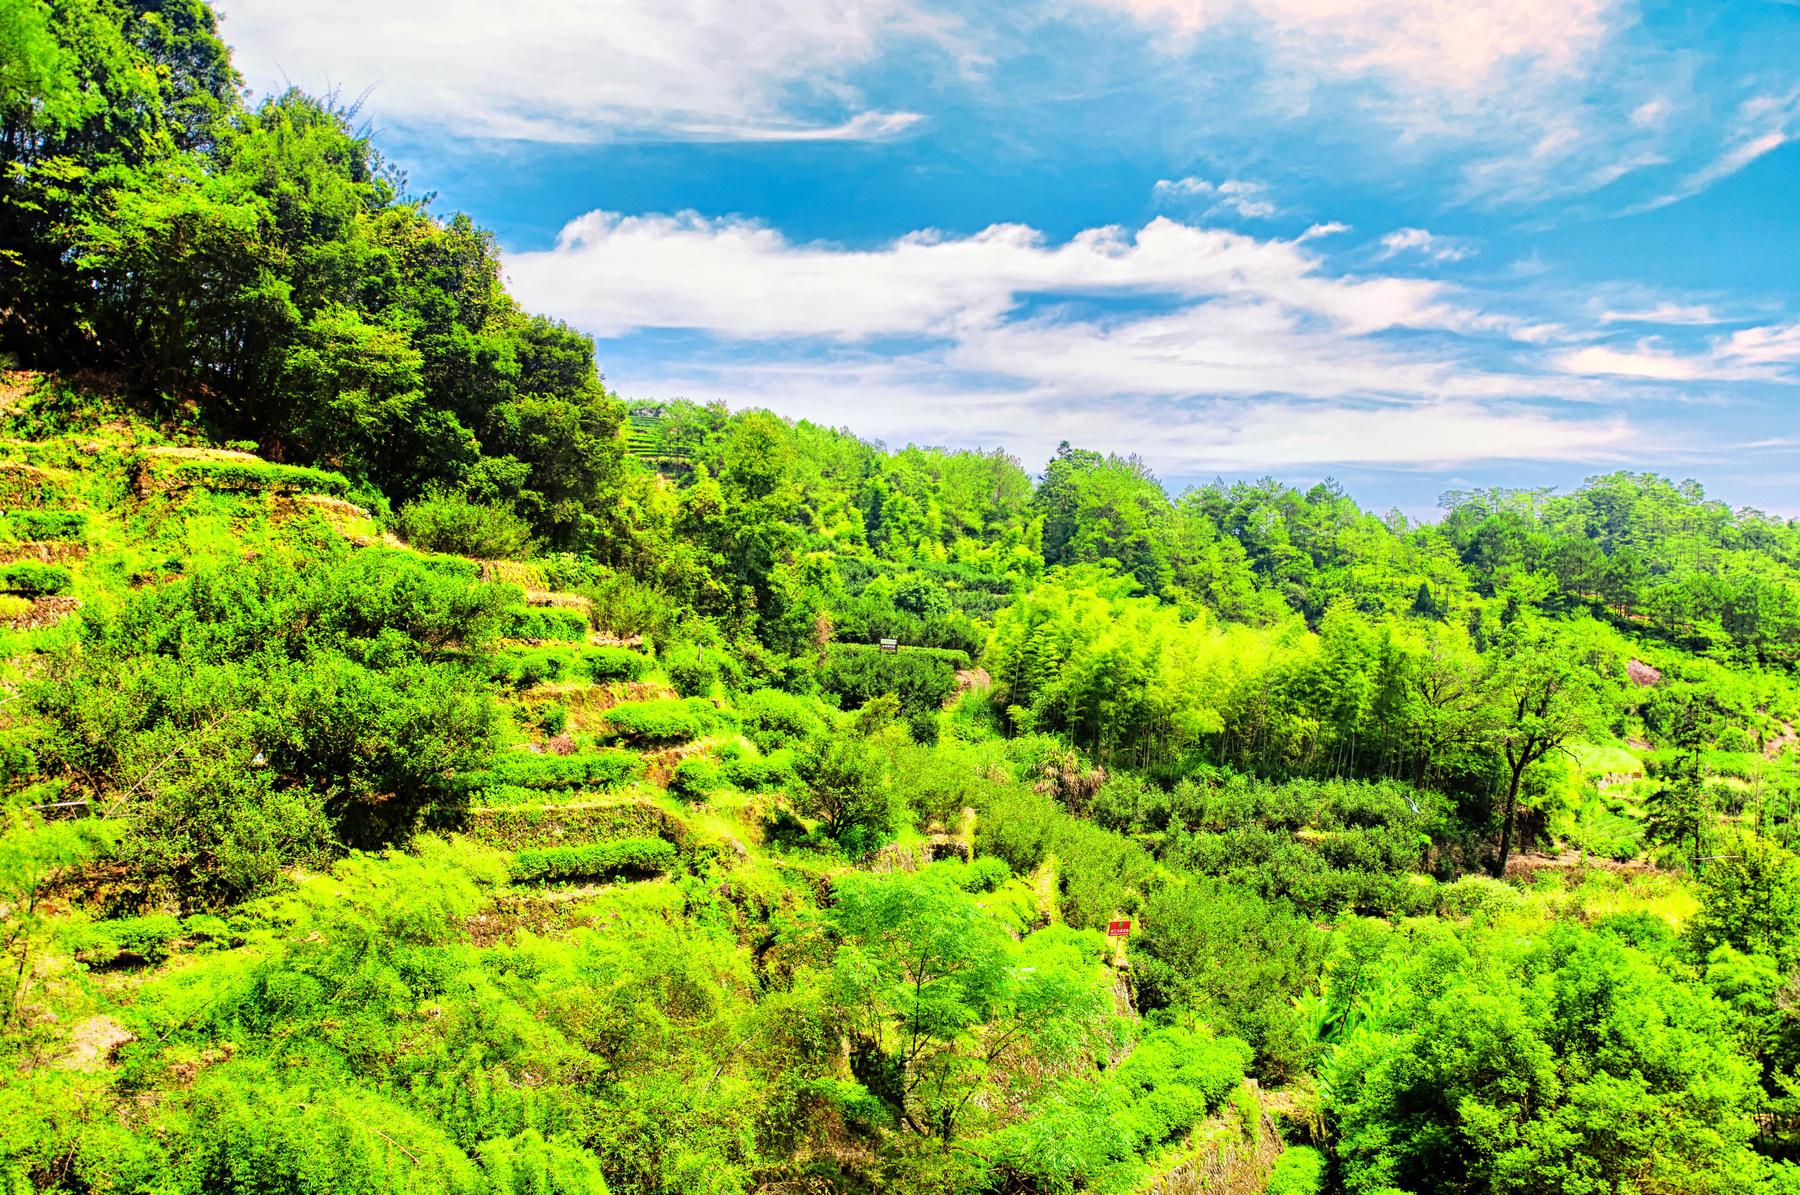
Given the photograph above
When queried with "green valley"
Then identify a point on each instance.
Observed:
(423, 770)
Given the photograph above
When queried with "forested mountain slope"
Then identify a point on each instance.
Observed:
(422, 771)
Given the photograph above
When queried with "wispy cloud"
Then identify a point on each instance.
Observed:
(1664, 312)
(1234, 196)
(541, 70)
(1764, 124)
(1443, 49)
(1528, 93)
(1424, 244)
(1764, 353)
(1233, 350)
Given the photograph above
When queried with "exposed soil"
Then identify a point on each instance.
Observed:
(92, 1043)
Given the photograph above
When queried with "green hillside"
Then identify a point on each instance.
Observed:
(422, 773)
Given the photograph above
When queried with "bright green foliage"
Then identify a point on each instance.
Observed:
(596, 861)
(666, 720)
(538, 624)
(47, 524)
(694, 778)
(937, 996)
(241, 716)
(921, 680)
(32, 580)
(1246, 717)
(1094, 1137)
(845, 786)
(1300, 1170)
(1324, 846)
(589, 769)
(772, 718)
(1225, 956)
(257, 478)
(533, 666)
(1750, 900)
(439, 521)
(1574, 1060)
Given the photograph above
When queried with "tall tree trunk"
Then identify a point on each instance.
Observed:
(1506, 825)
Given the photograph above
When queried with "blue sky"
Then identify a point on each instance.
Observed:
(1411, 244)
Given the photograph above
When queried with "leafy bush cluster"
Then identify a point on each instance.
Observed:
(31, 579)
(586, 769)
(596, 861)
(1300, 1170)
(47, 524)
(665, 720)
(446, 521)
(258, 477)
(523, 668)
(1095, 1137)
(262, 712)
(538, 624)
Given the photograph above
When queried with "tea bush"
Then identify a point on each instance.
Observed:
(634, 857)
(1095, 1137)
(667, 720)
(32, 579)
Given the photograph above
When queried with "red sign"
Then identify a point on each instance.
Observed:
(1118, 929)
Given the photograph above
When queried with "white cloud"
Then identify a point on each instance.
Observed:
(1446, 49)
(1234, 196)
(613, 274)
(1535, 100)
(1765, 353)
(1652, 113)
(1239, 351)
(547, 70)
(1663, 312)
(1238, 348)
(1644, 360)
(1764, 124)
(924, 402)
(1417, 240)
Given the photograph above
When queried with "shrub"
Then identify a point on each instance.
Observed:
(1479, 896)
(670, 720)
(753, 774)
(694, 668)
(449, 522)
(694, 778)
(595, 861)
(1300, 1170)
(595, 769)
(984, 874)
(258, 477)
(47, 524)
(129, 939)
(542, 622)
(622, 603)
(33, 579)
(1095, 1136)
(313, 689)
(844, 787)
(774, 719)
(602, 664)
(525, 667)
(919, 677)
(1224, 954)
